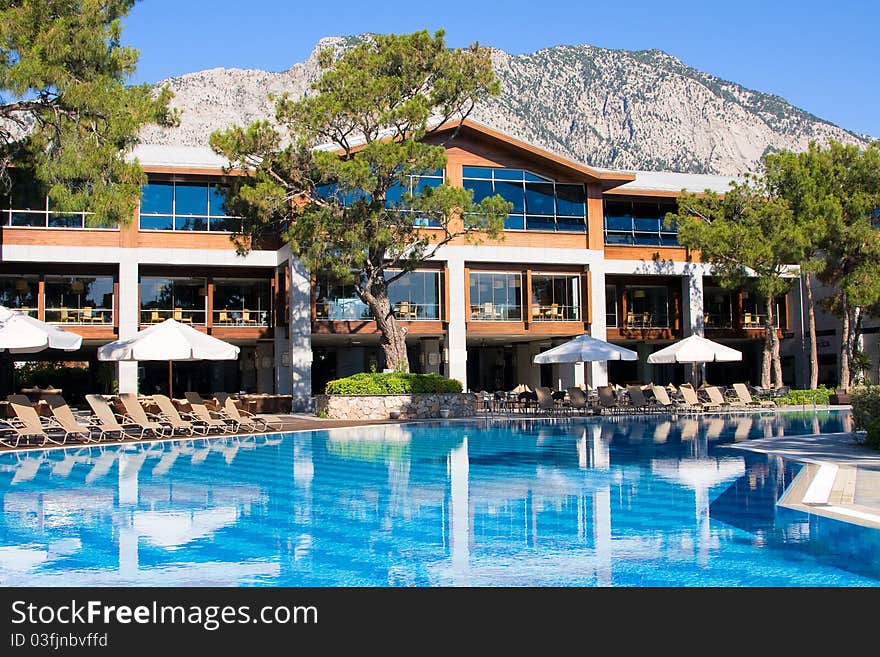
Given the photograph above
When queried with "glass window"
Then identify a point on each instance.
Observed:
(611, 305)
(190, 199)
(157, 198)
(556, 297)
(416, 295)
(337, 301)
(717, 308)
(19, 292)
(182, 299)
(217, 200)
(26, 205)
(513, 193)
(571, 200)
(639, 223)
(79, 299)
(647, 307)
(242, 302)
(477, 172)
(495, 296)
(190, 223)
(540, 198)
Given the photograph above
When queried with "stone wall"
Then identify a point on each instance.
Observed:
(410, 406)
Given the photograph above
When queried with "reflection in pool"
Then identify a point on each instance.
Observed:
(641, 501)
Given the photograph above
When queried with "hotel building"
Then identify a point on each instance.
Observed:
(584, 250)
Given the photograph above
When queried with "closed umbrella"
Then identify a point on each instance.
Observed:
(171, 341)
(22, 334)
(695, 349)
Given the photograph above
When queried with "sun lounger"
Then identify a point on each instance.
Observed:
(662, 400)
(637, 400)
(742, 392)
(692, 402)
(180, 422)
(65, 418)
(265, 421)
(110, 424)
(545, 399)
(716, 397)
(27, 424)
(215, 421)
(135, 413)
(608, 400)
(577, 400)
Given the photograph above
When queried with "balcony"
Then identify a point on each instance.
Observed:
(85, 316)
(496, 312)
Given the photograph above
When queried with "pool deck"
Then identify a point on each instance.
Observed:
(840, 480)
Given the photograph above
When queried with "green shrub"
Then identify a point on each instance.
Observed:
(393, 383)
(866, 405)
(74, 382)
(806, 397)
(872, 440)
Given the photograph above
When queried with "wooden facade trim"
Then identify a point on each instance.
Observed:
(368, 326)
(648, 253)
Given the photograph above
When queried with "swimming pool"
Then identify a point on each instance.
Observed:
(642, 501)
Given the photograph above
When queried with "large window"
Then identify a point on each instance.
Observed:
(182, 299)
(639, 223)
(610, 305)
(415, 184)
(496, 297)
(754, 311)
(79, 299)
(556, 297)
(647, 306)
(241, 302)
(414, 297)
(717, 308)
(28, 206)
(187, 206)
(538, 203)
(19, 292)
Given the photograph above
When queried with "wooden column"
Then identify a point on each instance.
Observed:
(209, 304)
(586, 297)
(41, 298)
(467, 295)
(527, 293)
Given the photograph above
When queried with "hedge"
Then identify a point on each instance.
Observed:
(393, 383)
(866, 405)
(821, 396)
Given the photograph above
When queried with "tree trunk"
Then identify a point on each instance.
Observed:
(767, 355)
(393, 339)
(774, 341)
(844, 345)
(811, 322)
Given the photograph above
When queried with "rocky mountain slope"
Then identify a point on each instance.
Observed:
(608, 108)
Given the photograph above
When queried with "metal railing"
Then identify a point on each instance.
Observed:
(87, 315)
(183, 315)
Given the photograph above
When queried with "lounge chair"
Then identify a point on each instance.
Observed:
(135, 414)
(742, 392)
(608, 400)
(545, 399)
(185, 423)
(692, 402)
(637, 399)
(577, 400)
(662, 400)
(215, 420)
(107, 422)
(28, 424)
(65, 418)
(264, 421)
(717, 397)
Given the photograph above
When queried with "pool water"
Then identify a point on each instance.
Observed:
(642, 501)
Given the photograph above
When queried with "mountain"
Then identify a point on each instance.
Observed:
(642, 110)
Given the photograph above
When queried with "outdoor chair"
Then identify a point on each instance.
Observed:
(215, 420)
(742, 392)
(608, 400)
(28, 424)
(263, 421)
(107, 422)
(65, 418)
(662, 400)
(692, 401)
(717, 397)
(185, 423)
(577, 400)
(546, 402)
(135, 413)
(637, 400)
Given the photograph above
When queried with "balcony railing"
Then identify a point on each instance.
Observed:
(351, 309)
(241, 317)
(717, 321)
(85, 316)
(555, 313)
(496, 312)
(183, 315)
(47, 219)
(646, 320)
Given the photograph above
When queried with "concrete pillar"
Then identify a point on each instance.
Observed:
(598, 371)
(432, 356)
(526, 370)
(456, 336)
(126, 371)
(300, 326)
(644, 369)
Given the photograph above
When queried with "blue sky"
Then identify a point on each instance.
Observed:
(820, 56)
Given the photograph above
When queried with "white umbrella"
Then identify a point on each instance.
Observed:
(695, 349)
(171, 341)
(21, 334)
(582, 349)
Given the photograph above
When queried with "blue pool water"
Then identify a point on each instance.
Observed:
(610, 502)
